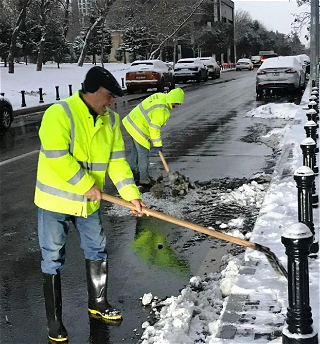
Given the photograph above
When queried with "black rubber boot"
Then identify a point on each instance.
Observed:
(97, 281)
(53, 302)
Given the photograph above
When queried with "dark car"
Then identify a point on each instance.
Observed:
(144, 74)
(267, 56)
(6, 113)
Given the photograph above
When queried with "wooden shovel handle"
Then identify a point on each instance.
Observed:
(182, 223)
(164, 162)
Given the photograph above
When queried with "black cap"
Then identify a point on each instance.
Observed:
(99, 76)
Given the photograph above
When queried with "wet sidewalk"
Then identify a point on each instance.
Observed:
(256, 309)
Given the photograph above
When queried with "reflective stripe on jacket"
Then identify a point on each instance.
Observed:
(75, 154)
(145, 121)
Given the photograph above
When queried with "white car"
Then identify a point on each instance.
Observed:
(283, 72)
(244, 64)
(212, 66)
(190, 69)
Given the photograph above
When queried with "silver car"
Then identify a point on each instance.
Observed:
(283, 72)
(190, 69)
(244, 64)
(212, 66)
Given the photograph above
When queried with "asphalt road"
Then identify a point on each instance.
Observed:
(207, 137)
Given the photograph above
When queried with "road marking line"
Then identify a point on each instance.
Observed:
(18, 157)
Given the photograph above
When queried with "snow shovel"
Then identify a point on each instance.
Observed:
(272, 258)
(165, 165)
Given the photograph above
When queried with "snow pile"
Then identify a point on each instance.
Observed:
(246, 195)
(272, 110)
(187, 317)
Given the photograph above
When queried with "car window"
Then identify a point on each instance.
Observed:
(142, 63)
(186, 61)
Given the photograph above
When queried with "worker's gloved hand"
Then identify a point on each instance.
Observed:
(157, 149)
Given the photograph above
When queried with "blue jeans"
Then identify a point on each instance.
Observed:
(139, 159)
(53, 231)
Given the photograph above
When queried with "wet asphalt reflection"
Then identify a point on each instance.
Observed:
(208, 139)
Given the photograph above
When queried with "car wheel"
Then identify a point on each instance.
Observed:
(259, 94)
(160, 87)
(172, 85)
(130, 90)
(6, 117)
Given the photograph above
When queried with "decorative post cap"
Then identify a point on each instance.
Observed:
(310, 124)
(308, 142)
(311, 112)
(297, 231)
(303, 171)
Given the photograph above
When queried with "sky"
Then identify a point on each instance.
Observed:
(274, 14)
(176, 324)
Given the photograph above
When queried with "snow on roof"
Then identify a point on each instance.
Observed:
(280, 61)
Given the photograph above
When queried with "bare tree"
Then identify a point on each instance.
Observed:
(302, 19)
(175, 31)
(102, 8)
(20, 22)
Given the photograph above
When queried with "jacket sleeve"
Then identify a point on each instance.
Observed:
(55, 140)
(158, 118)
(118, 168)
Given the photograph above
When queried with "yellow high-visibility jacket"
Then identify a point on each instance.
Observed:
(75, 154)
(144, 122)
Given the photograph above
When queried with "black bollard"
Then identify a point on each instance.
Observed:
(312, 115)
(313, 83)
(311, 130)
(313, 105)
(41, 96)
(57, 93)
(315, 98)
(304, 178)
(70, 90)
(122, 82)
(298, 329)
(308, 147)
(23, 102)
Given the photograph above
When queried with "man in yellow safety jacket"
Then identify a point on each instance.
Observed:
(81, 141)
(144, 124)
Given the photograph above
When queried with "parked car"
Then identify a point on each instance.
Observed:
(212, 66)
(283, 72)
(244, 64)
(256, 60)
(304, 68)
(144, 74)
(190, 69)
(6, 113)
(306, 62)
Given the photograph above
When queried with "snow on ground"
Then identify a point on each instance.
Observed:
(28, 79)
(194, 315)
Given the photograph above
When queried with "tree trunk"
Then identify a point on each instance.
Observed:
(20, 22)
(87, 40)
(40, 55)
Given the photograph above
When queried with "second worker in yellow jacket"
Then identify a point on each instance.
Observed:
(144, 124)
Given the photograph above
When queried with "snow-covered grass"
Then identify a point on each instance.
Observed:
(26, 78)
